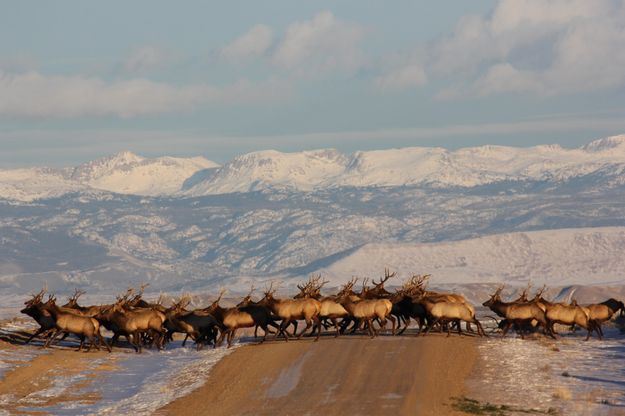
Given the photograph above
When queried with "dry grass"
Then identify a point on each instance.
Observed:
(562, 393)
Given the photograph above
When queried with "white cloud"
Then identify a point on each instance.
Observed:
(321, 44)
(535, 46)
(35, 95)
(252, 44)
(409, 75)
(145, 59)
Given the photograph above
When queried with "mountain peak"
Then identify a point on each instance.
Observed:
(607, 143)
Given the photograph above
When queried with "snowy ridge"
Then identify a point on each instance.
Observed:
(124, 173)
(585, 256)
(306, 171)
(438, 167)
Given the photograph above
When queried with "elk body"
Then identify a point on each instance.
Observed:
(288, 310)
(518, 313)
(231, 319)
(602, 312)
(445, 311)
(198, 324)
(134, 323)
(34, 308)
(82, 326)
(559, 313)
(369, 309)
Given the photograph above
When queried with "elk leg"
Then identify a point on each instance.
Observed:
(506, 328)
(184, 341)
(103, 341)
(406, 322)
(56, 332)
(39, 331)
(392, 319)
(82, 341)
(318, 324)
(308, 324)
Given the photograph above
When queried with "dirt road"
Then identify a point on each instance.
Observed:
(344, 376)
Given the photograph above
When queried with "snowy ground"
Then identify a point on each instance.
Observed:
(568, 374)
(130, 383)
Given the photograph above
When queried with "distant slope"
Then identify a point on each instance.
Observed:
(557, 257)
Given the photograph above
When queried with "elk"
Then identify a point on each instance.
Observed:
(559, 313)
(197, 324)
(231, 319)
(367, 309)
(404, 307)
(73, 306)
(82, 326)
(34, 308)
(133, 322)
(247, 301)
(602, 312)
(331, 309)
(445, 311)
(293, 309)
(517, 313)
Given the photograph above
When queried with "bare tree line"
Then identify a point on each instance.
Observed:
(149, 324)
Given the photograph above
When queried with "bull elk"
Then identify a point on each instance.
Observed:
(133, 323)
(367, 309)
(288, 310)
(602, 312)
(445, 311)
(34, 308)
(231, 319)
(519, 313)
(82, 326)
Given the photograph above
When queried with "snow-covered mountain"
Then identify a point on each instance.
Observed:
(473, 215)
(124, 173)
(602, 161)
(436, 167)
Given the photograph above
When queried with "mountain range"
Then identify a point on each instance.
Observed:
(127, 173)
(467, 216)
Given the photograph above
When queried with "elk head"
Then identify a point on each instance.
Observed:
(494, 298)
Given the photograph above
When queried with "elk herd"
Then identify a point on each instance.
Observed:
(146, 324)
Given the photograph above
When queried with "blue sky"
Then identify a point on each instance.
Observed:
(80, 80)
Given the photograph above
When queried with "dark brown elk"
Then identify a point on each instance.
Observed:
(34, 308)
(231, 319)
(197, 324)
(82, 326)
(288, 310)
(521, 314)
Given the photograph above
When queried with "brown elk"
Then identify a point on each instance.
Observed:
(445, 311)
(602, 312)
(133, 323)
(82, 326)
(288, 310)
(521, 314)
(231, 319)
(331, 309)
(367, 309)
(569, 315)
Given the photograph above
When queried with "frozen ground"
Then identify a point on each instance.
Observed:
(569, 374)
(126, 383)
